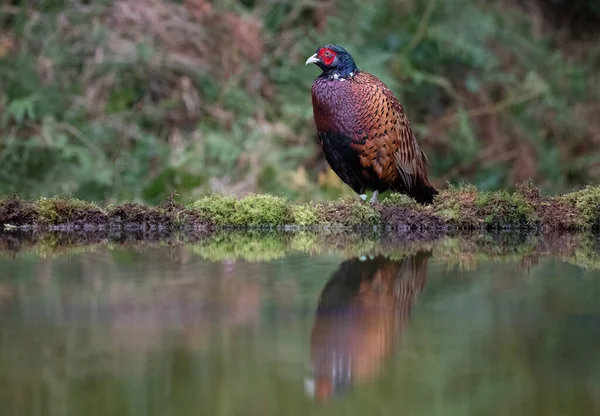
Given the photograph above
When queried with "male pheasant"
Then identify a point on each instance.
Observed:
(363, 130)
(363, 311)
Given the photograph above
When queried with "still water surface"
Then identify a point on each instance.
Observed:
(161, 331)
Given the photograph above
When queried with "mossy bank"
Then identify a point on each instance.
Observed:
(454, 209)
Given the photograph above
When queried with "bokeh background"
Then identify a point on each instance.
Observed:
(134, 99)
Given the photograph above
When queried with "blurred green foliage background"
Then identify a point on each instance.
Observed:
(134, 99)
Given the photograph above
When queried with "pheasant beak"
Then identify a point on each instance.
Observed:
(312, 60)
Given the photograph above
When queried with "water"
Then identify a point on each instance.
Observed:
(439, 328)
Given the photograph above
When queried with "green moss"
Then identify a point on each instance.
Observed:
(587, 202)
(65, 210)
(502, 209)
(304, 214)
(219, 209)
(259, 210)
(253, 210)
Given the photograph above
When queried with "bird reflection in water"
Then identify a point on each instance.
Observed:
(362, 311)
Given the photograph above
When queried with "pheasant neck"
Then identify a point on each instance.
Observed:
(340, 73)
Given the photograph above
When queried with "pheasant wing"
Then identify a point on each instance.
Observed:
(389, 149)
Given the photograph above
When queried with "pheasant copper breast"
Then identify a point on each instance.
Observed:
(363, 130)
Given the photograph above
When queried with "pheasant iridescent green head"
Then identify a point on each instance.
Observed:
(333, 60)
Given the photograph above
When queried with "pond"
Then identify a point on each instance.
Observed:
(302, 325)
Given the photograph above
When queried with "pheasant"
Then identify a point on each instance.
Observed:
(362, 313)
(363, 130)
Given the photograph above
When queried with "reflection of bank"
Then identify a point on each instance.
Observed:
(362, 310)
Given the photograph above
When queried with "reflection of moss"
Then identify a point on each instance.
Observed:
(464, 251)
(49, 244)
(73, 242)
(263, 246)
(586, 253)
(467, 252)
(251, 246)
(305, 242)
